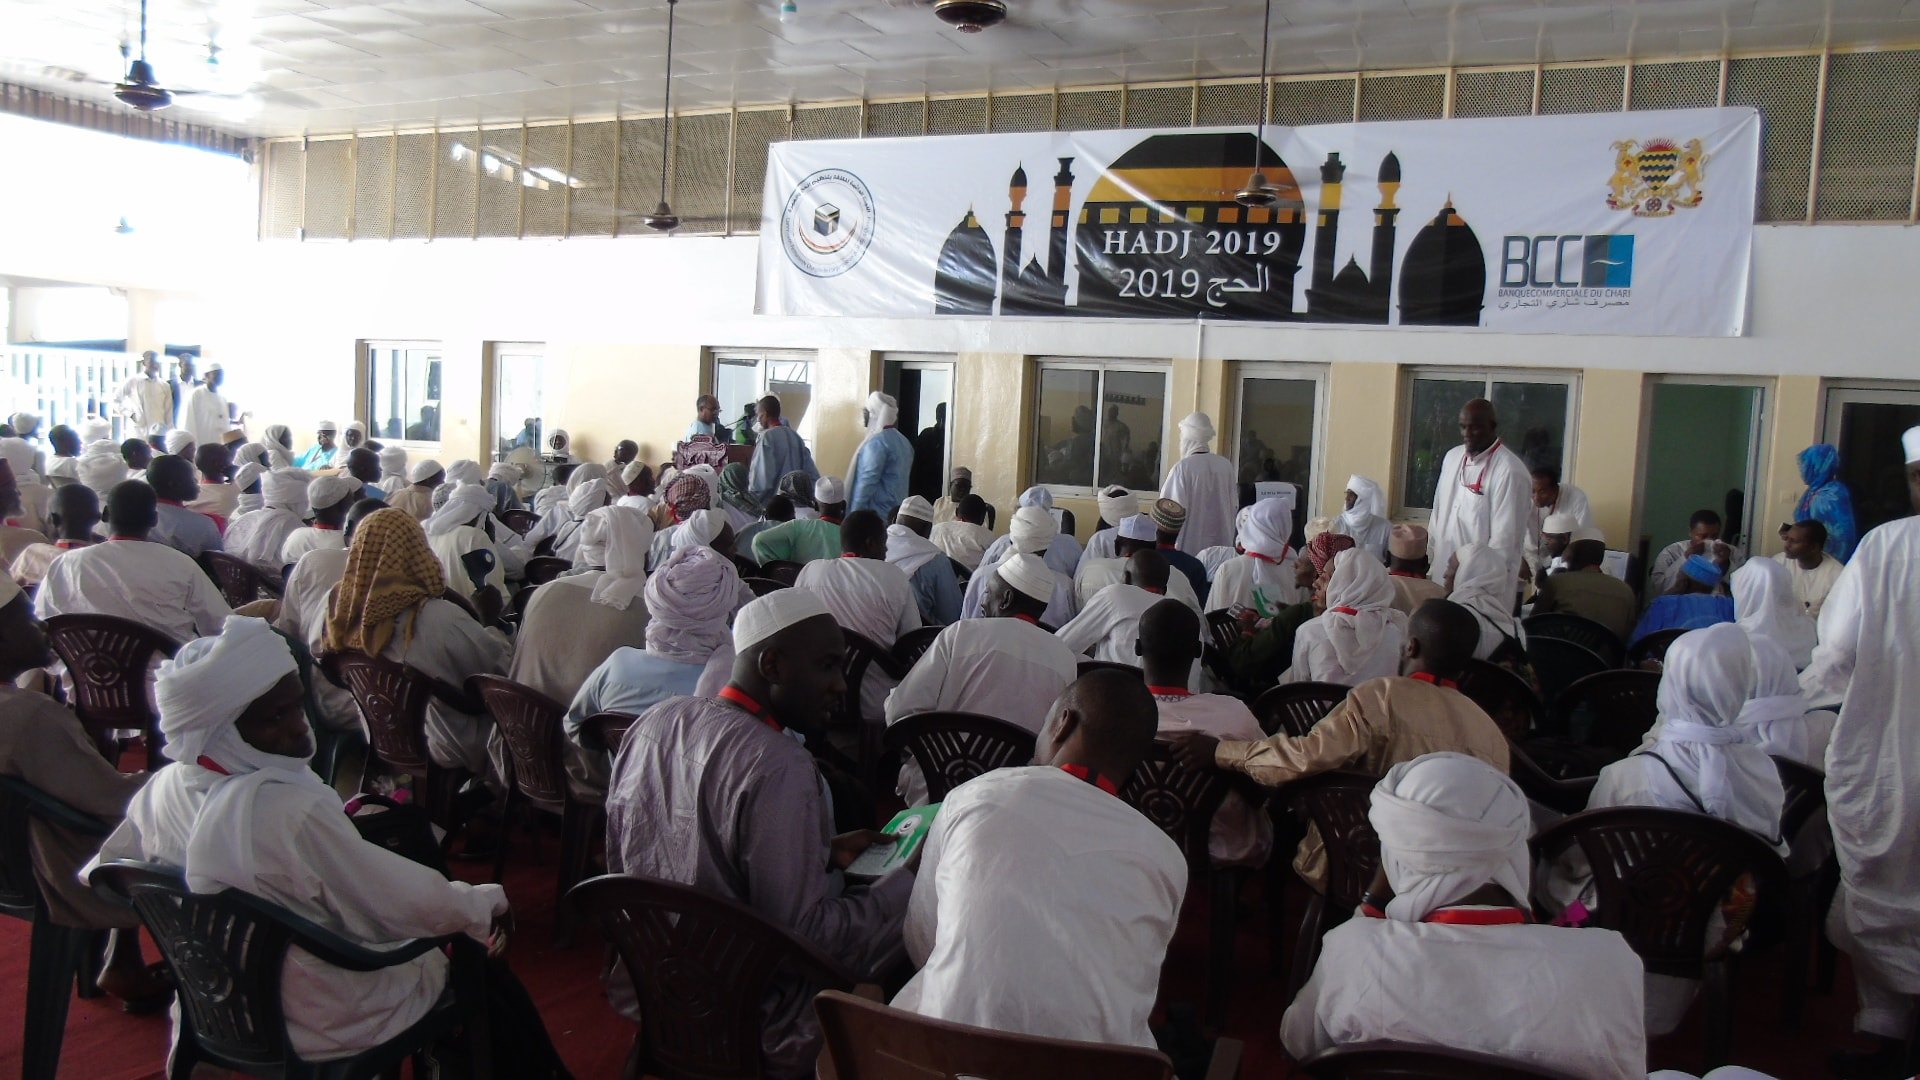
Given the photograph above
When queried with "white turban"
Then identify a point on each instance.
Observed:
(1449, 824)
(1765, 606)
(286, 489)
(548, 498)
(325, 491)
(355, 425)
(1037, 496)
(1368, 499)
(393, 462)
(1196, 431)
(177, 441)
(1910, 442)
(211, 681)
(19, 455)
(882, 412)
(465, 503)
(95, 430)
(772, 613)
(1267, 528)
(616, 538)
(586, 498)
(25, 423)
(424, 470)
(634, 470)
(327, 425)
(1117, 504)
(1559, 524)
(504, 470)
(1360, 609)
(1139, 527)
(1032, 530)
(1317, 527)
(689, 599)
(465, 471)
(699, 529)
(247, 475)
(917, 508)
(101, 466)
(250, 452)
(1704, 683)
(829, 490)
(1028, 574)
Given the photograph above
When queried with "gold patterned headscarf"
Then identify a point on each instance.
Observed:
(390, 569)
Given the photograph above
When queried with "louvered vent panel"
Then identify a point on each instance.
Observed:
(1783, 88)
(1229, 105)
(283, 203)
(753, 134)
(1313, 101)
(957, 116)
(1088, 110)
(1867, 143)
(1402, 97)
(456, 184)
(639, 173)
(596, 152)
(1020, 112)
(1694, 84)
(545, 212)
(497, 213)
(1581, 89)
(413, 186)
(329, 186)
(891, 118)
(832, 122)
(1493, 93)
(372, 187)
(1160, 107)
(700, 172)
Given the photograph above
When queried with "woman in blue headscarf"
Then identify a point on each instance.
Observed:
(1827, 500)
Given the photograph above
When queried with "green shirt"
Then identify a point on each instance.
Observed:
(800, 541)
(1589, 594)
(1257, 662)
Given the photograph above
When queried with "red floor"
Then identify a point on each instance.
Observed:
(105, 1044)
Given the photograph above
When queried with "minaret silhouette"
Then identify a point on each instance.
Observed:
(1326, 235)
(1016, 225)
(1057, 240)
(1385, 220)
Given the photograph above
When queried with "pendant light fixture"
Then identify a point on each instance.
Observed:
(1259, 190)
(663, 219)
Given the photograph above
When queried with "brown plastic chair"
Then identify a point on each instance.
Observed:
(1565, 794)
(1182, 802)
(109, 660)
(1620, 708)
(533, 727)
(520, 521)
(606, 730)
(952, 748)
(1404, 1061)
(1581, 631)
(761, 586)
(239, 581)
(869, 1041)
(1294, 708)
(393, 701)
(780, 570)
(58, 957)
(1087, 667)
(1335, 803)
(1653, 647)
(544, 568)
(1558, 664)
(1504, 696)
(702, 967)
(1659, 876)
(913, 645)
(862, 654)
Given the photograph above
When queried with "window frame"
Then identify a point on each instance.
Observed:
(1487, 377)
(1043, 364)
(761, 358)
(1296, 372)
(363, 409)
(495, 350)
(929, 361)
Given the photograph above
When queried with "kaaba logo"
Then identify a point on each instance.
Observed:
(1655, 178)
(827, 224)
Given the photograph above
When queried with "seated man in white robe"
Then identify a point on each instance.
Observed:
(1035, 536)
(240, 808)
(1812, 571)
(416, 496)
(928, 569)
(1364, 517)
(1001, 665)
(1109, 627)
(1137, 533)
(1260, 578)
(866, 594)
(1359, 636)
(1703, 536)
(187, 531)
(133, 578)
(720, 793)
(566, 632)
(260, 537)
(303, 614)
(1044, 904)
(1117, 504)
(76, 510)
(329, 498)
(964, 537)
(1551, 498)
(454, 531)
(1443, 953)
(1169, 645)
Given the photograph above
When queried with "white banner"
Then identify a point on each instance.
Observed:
(1635, 223)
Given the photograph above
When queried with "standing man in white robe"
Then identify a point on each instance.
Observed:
(877, 478)
(132, 577)
(1483, 496)
(1364, 517)
(777, 451)
(1869, 655)
(1443, 953)
(866, 594)
(146, 399)
(207, 418)
(1204, 483)
(1110, 623)
(1044, 904)
(1001, 665)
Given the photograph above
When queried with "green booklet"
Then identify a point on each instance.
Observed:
(909, 829)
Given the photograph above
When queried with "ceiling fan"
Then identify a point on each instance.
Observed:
(139, 89)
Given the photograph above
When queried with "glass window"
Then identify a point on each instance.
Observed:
(1111, 415)
(1277, 439)
(1535, 417)
(403, 391)
(742, 379)
(519, 398)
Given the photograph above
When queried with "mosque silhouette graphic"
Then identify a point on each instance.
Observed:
(1159, 235)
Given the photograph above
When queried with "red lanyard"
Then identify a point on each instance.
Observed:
(1081, 772)
(753, 708)
(206, 762)
(1401, 573)
(849, 554)
(1429, 677)
(1467, 463)
(324, 527)
(1169, 691)
(117, 536)
(1028, 619)
(1345, 611)
(1500, 916)
(171, 502)
(1163, 547)
(1153, 590)
(69, 545)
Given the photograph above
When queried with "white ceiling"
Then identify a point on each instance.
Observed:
(323, 66)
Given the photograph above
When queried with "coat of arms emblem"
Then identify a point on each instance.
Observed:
(1654, 178)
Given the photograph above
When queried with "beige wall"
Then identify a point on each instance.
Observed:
(1798, 402)
(1606, 453)
(639, 392)
(1362, 402)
